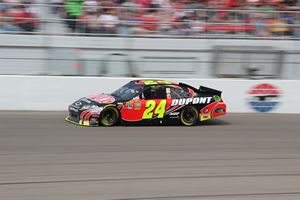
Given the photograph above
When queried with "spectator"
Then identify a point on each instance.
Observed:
(74, 10)
(166, 18)
(3, 6)
(109, 20)
(149, 21)
(91, 5)
(279, 27)
(261, 28)
(23, 18)
(128, 23)
(6, 22)
(90, 22)
(296, 27)
(57, 6)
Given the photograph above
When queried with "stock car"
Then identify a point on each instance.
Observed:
(145, 102)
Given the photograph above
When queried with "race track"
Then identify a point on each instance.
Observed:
(237, 157)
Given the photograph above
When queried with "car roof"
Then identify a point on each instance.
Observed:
(153, 82)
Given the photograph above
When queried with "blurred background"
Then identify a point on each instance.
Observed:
(252, 39)
(57, 51)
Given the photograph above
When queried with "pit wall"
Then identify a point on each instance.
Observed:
(55, 93)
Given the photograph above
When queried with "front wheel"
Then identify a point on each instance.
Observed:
(189, 116)
(109, 117)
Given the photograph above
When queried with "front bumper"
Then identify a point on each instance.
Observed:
(83, 118)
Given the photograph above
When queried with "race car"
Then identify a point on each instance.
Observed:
(150, 102)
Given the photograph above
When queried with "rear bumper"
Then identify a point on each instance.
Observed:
(213, 110)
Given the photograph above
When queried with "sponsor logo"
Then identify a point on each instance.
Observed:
(94, 120)
(174, 113)
(129, 106)
(264, 97)
(196, 100)
(96, 109)
(77, 104)
(137, 104)
(86, 100)
(217, 98)
(73, 109)
(102, 98)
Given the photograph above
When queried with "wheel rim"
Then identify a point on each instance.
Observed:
(189, 116)
(109, 117)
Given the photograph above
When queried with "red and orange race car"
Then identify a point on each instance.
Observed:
(148, 102)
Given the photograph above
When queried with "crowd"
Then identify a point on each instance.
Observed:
(263, 18)
(18, 16)
(184, 17)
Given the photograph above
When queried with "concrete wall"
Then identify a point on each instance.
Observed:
(34, 54)
(56, 93)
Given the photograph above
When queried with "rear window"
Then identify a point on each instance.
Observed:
(178, 93)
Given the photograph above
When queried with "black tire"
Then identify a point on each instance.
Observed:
(109, 117)
(189, 116)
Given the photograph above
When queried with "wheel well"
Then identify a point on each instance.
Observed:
(107, 108)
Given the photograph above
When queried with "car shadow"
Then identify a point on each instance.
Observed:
(214, 122)
(211, 122)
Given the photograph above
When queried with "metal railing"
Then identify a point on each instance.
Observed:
(155, 22)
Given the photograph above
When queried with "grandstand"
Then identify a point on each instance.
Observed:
(159, 18)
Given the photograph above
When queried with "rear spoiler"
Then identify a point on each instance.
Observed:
(208, 90)
(202, 89)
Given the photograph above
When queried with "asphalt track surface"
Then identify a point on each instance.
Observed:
(239, 157)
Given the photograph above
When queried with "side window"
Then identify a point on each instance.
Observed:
(154, 92)
(177, 93)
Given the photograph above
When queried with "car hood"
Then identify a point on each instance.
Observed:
(102, 98)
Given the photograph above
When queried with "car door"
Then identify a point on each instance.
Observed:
(154, 102)
(149, 104)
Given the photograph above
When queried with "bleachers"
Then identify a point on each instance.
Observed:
(154, 18)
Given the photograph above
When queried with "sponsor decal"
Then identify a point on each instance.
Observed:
(154, 109)
(196, 100)
(264, 97)
(102, 98)
(73, 109)
(129, 106)
(86, 100)
(97, 110)
(77, 104)
(94, 120)
(217, 98)
(153, 82)
(137, 104)
(168, 90)
(174, 113)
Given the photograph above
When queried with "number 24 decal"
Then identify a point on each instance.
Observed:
(150, 106)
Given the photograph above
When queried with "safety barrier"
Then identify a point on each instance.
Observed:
(57, 92)
(149, 57)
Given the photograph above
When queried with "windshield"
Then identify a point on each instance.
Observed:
(128, 91)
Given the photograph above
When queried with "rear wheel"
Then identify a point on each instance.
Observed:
(109, 117)
(189, 116)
